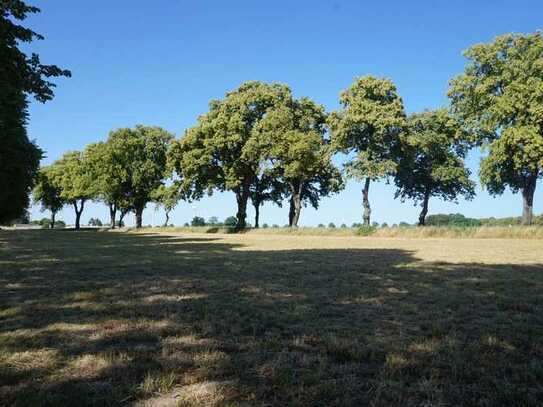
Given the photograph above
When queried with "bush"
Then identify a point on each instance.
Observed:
(231, 221)
(384, 225)
(95, 222)
(454, 219)
(265, 226)
(275, 225)
(366, 230)
(320, 225)
(331, 225)
(198, 221)
(343, 226)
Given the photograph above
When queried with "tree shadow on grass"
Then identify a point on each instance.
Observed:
(123, 317)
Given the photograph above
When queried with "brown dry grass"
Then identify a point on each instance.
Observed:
(99, 318)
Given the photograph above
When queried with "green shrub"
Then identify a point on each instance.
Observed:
(366, 230)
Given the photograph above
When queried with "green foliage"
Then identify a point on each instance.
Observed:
(499, 98)
(46, 192)
(331, 225)
(431, 161)
(369, 124)
(95, 222)
(198, 221)
(365, 230)
(453, 219)
(222, 151)
(20, 76)
(230, 221)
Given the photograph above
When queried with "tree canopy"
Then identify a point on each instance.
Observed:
(47, 194)
(499, 99)
(431, 162)
(369, 125)
(20, 76)
(167, 197)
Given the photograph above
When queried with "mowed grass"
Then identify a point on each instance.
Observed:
(103, 318)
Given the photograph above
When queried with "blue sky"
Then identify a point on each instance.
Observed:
(160, 62)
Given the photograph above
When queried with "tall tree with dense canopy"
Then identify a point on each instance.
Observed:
(369, 125)
(72, 175)
(20, 76)
(222, 152)
(48, 194)
(431, 161)
(109, 178)
(499, 99)
(293, 137)
(141, 156)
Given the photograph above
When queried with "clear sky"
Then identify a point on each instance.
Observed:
(160, 62)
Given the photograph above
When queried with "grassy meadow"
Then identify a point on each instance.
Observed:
(95, 318)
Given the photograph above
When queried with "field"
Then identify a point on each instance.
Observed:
(117, 318)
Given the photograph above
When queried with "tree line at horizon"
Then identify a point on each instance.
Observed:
(264, 145)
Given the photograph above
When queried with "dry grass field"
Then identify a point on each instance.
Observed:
(100, 318)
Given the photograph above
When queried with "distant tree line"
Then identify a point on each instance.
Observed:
(264, 145)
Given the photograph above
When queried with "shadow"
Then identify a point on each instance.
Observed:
(112, 316)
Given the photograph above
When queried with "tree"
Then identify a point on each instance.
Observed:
(167, 197)
(221, 152)
(431, 162)
(109, 174)
(198, 221)
(213, 221)
(48, 194)
(369, 125)
(95, 222)
(20, 76)
(141, 157)
(293, 138)
(499, 99)
(231, 221)
(75, 180)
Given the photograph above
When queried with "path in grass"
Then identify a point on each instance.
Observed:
(101, 318)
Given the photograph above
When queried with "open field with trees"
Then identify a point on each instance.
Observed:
(105, 318)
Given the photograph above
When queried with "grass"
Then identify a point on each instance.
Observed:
(412, 232)
(98, 318)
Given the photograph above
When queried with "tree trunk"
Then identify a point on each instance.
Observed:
(291, 211)
(167, 218)
(424, 212)
(112, 213)
(121, 217)
(53, 216)
(242, 196)
(296, 204)
(528, 200)
(257, 213)
(366, 203)
(78, 212)
(139, 216)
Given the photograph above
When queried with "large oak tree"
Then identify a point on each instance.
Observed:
(72, 175)
(293, 136)
(431, 161)
(369, 127)
(499, 99)
(222, 151)
(139, 156)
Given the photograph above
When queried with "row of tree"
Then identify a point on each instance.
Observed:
(263, 144)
